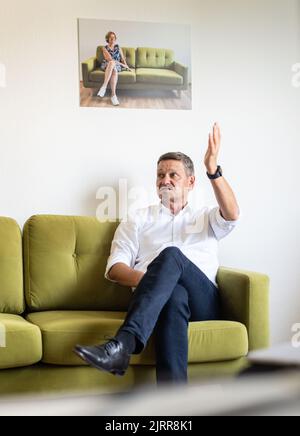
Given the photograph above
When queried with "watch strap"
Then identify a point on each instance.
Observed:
(217, 174)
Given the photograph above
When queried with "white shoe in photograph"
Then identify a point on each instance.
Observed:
(115, 100)
(102, 91)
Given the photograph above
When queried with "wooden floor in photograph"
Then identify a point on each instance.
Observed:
(138, 99)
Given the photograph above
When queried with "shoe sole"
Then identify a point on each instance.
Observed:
(116, 372)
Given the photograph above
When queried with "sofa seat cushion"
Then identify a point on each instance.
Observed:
(20, 342)
(211, 341)
(159, 76)
(124, 77)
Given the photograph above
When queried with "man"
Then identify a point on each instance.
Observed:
(168, 255)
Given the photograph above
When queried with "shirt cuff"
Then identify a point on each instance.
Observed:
(225, 224)
(111, 263)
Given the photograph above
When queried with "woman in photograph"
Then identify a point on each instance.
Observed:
(114, 62)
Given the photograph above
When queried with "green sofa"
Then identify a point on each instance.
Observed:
(53, 295)
(152, 69)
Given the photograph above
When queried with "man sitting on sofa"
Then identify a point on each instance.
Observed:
(168, 254)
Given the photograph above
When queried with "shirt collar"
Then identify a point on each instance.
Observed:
(167, 211)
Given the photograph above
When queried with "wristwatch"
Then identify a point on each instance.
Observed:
(219, 173)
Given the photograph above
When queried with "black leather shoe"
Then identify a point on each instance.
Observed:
(110, 357)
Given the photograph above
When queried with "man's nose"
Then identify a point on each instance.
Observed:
(166, 180)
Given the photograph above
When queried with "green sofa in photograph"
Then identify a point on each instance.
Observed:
(53, 295)
(152, 69)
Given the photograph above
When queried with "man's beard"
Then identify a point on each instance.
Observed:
(167, 196)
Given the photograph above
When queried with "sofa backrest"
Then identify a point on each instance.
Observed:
(11, 267)
(129, 53)
(144, 57)
(64, 264)
(154, 58)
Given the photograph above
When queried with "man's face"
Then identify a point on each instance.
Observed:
(173, 184)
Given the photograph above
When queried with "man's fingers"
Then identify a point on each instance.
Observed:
(219, 133)
(216, 134)
(212, 146)
(215, 138)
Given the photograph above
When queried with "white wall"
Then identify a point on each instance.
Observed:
(175, 36)
(55, 155)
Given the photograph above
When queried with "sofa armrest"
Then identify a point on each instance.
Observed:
(182, 71)
(245, 298)
(87, 67)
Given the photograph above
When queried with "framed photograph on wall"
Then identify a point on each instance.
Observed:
(134, 65)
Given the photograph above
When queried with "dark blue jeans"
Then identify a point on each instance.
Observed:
(172, 293)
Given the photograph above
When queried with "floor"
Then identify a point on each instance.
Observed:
(138, 99)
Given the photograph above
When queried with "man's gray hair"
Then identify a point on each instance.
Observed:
(181, 157)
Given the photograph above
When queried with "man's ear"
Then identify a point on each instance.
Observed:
(192, 182)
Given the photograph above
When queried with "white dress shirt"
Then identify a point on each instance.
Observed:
(148, 231)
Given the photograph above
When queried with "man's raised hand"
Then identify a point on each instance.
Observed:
(211, 156)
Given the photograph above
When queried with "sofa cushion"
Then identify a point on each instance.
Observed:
(11, 267)
(211, 341)
(124, 77)
(158, 76)
(154, 57)
(20, 342)
(129, 54)
(65, 259)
